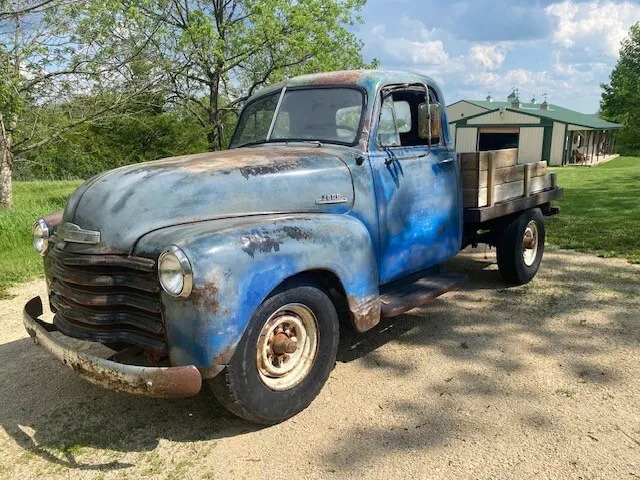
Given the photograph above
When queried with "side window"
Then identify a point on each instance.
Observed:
(403, 116)
(388, 135)
(399, 123)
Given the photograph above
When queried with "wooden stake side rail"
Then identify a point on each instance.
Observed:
(507, 207)
(491, 177)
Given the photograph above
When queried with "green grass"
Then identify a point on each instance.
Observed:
(600, 209)
(18, 260)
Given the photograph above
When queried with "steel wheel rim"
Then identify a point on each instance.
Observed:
(530, 243)
(292, 325)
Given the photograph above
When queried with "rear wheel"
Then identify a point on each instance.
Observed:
(520, 247)
(284, 357)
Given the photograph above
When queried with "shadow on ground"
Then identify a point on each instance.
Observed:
(58, 413)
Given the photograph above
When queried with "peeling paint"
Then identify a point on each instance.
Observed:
(260, 243)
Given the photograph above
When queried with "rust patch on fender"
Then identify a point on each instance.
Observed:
(364, 315)
(296, 233)
(263, 243)
(223, 357)
(206, 297)
(53, 219)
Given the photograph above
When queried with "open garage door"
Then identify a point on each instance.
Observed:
(498, 138)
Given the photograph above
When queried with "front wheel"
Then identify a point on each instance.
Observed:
(284, 357)
(520, 247)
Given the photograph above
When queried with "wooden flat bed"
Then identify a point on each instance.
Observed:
(494, 184)
(507, 207)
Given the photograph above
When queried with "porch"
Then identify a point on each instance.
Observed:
(589, 147)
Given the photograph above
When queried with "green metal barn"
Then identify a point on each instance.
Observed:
(540, 131)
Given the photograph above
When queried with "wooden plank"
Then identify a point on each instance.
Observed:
(483, 214)
(502, 192)
(470, 197)
(480, 160)
(491, 178)
(469, 161)
(475, 179)
(527, 178)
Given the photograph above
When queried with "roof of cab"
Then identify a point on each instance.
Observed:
(370, 80)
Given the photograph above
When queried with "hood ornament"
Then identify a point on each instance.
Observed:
(70, 232)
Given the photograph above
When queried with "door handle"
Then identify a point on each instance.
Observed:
(446, 160)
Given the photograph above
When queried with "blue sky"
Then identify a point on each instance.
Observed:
(562, 48)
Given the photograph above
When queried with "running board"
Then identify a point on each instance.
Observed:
(408, 294)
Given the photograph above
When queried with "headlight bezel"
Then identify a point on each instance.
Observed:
(45, 236)
(186, 271)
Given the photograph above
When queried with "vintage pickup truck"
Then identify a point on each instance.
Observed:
(227, 267)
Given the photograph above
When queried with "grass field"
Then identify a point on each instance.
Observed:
(18, 260)
(600, 209)
(600, 214)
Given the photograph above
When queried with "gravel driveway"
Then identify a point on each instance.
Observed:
(539, 381)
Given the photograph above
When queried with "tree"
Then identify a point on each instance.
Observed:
(216, 53)
(46, 59)
(621, 96)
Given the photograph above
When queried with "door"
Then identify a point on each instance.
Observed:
(417, 188)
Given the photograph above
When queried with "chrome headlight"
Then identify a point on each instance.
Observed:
(41, 237)
(174, 272)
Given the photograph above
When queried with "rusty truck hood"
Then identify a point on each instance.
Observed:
(125, 203)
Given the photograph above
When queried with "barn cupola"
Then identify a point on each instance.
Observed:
(544, 105)
(489, 98)
(534, 101)
(512, 97)
(515, 103)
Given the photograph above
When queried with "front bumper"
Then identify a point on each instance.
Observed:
(161, 382)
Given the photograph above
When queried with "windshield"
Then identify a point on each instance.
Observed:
(330, 115)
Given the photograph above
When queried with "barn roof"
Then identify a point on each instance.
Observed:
(555, 113)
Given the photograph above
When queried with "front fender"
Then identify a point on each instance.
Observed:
(238, 262)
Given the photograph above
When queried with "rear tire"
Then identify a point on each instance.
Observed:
(520, 247)
(253, 385)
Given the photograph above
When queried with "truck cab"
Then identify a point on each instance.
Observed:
(228, 267)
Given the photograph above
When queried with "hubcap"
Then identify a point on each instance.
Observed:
(530, 243)
(287, 346)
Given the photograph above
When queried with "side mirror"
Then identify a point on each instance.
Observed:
(429, 121)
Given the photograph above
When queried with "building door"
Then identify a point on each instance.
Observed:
(498, 138)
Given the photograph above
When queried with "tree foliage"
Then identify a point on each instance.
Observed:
(621, 96)
(216, 53)
(90, 84)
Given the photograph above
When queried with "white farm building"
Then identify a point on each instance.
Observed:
(540, 131)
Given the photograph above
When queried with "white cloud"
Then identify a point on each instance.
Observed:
(594, 27)
(490, 57)
(416, 52)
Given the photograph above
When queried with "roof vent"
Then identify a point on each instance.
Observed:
(489, 98)
(512, 97)
(545, 105)
(515, 103)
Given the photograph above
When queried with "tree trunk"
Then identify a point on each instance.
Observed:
(215, 120)
(6, 189)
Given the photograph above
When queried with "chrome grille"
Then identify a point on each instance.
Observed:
(106, 298)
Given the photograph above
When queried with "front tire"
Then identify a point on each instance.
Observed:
(284, 357)
(520, 247)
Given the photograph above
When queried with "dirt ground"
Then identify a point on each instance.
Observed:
(540, 381)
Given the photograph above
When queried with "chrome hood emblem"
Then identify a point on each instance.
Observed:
(70, 232)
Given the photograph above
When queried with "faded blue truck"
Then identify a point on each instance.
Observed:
(230, 267)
